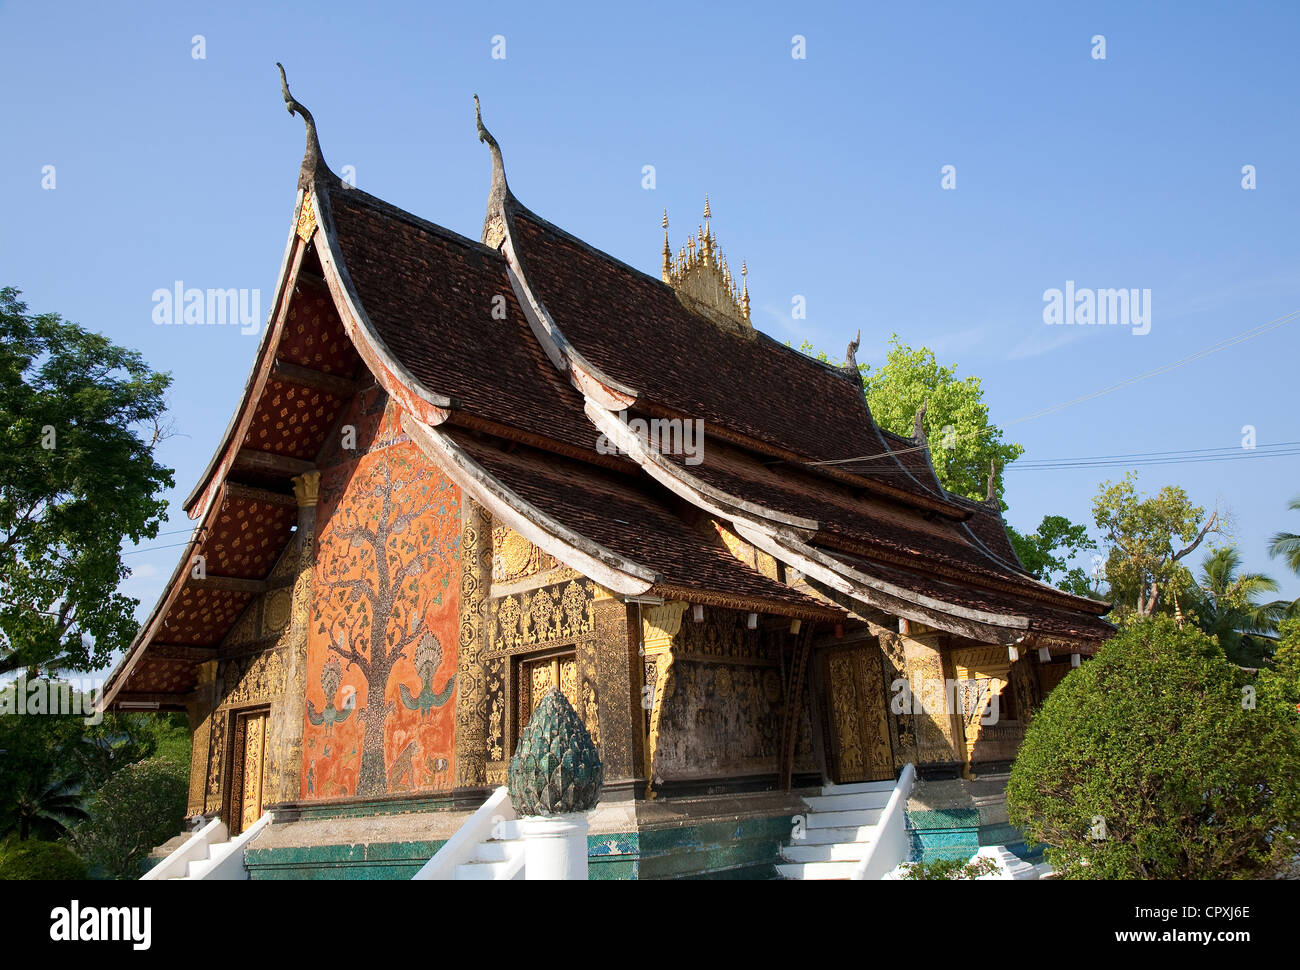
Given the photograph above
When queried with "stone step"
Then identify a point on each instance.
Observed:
(856, 817)
(816, 870)
(858, 787)
(830, 852)
(495, 850)
(483, 870)
(830, 836)
(847, 801)
(506, 831)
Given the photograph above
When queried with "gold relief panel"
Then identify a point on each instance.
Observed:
(258, 676)
(514, 557)
(722, 635)
(276, 611)
(496, 693)
(560, 613)
(248, 628)
(306, 219)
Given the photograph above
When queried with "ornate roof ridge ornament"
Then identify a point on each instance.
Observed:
(991, 497)
(918, 426)
(494, 226)
(312, 160)
(701, 277)
(850, 365)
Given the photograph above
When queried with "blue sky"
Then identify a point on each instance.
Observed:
(824, 174)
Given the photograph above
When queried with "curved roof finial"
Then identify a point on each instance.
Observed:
(312, 157)
(918, 424)
(498, 165)
(494, 219)
(992, 497)
(850, 355)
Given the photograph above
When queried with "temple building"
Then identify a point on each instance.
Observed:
(463, 472)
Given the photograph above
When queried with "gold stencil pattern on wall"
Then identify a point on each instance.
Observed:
(558, 613)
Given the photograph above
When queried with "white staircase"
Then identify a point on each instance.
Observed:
(486, 846)
(838, 829)
(851, 831)
(499, 857)
(210, 853)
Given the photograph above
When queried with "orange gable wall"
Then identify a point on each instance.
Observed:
(382, 635)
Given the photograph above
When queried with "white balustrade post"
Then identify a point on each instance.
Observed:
(555, 846)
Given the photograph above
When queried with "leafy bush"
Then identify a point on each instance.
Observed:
(950, 869)
(1159, 759)
(142, 805)
(40, 860)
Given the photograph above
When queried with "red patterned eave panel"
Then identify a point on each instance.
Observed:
(247, 538)
(163, 677)
(313, 334)
(201, 616)
(292, 420)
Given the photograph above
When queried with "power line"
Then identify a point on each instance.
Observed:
(1214, 348)
(1137, 462)
(133, 552)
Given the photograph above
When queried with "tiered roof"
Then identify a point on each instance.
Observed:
(511, 406)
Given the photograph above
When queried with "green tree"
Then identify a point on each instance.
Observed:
(79, 421)
(1159, 759)
(46, 808)
(1148, 538)
(1226, 605)
(141, 806)
(1048, 551)
(40, 860)
(963, 443)
(1285, 671)
(40, 778)
(1287, 545)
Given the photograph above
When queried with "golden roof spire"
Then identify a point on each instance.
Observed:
(744, 296)
(702, 278)
(668, 253)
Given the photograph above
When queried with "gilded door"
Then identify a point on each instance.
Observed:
(859, 731)
(536, 677)
(249, 770)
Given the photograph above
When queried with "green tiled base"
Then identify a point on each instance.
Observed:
(957, 834)
(375, 860)
(744, 849)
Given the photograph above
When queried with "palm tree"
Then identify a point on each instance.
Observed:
(1227, 606)
(46, 807)
(1287, 545)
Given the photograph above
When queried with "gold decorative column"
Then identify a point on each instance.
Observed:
(288, 717)
(615, 710)
(938, 734)
(471, 694)
(199, 707)
(659, 625)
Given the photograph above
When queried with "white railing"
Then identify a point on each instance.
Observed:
(227, 858)
(890, 847)
(479, 827)
(210, 854)
(193, 849)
